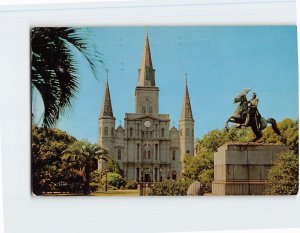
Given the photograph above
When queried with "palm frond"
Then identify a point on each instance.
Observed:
(54, 69)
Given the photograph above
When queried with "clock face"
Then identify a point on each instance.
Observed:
(147, 124)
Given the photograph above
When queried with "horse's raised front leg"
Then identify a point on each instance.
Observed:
(230, 119)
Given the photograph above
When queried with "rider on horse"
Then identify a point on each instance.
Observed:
(252, 112)
(247, 115)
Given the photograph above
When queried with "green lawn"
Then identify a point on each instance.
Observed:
(126, 192)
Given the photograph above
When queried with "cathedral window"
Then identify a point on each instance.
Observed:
(138, 151)
(144, 154)
(173, 155)
(156, 151)
(130, 131)
(138, 130)
(112, 131)
(119, 154)
(149, 154)
(162, 132)
(143, 109)
(105, 131)
(150, 109)
(187, 132)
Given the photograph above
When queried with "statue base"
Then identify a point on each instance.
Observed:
(242, 168)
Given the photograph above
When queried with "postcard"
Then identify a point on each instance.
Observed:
(164, 111)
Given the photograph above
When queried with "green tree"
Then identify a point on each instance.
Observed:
(114, 180)
(47, 146)
(289, 134)
(113, 166)
(200, 168)
(283, 177)
(54, 69)
(82, 156)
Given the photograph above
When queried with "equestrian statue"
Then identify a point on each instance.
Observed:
(247, 115)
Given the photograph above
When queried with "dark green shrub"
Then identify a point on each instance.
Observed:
(170, 188)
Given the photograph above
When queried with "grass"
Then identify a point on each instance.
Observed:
(126, 192)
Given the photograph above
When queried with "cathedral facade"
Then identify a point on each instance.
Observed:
(147, 148)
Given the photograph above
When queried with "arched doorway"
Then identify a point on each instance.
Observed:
(147, 177)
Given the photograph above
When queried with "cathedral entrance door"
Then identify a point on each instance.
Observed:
(147, 178)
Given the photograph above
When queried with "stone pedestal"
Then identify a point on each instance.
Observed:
(242, 168)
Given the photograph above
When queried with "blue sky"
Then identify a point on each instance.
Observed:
(220, 62)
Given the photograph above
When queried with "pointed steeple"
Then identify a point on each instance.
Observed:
(106, 109)
(186, 113)
(146, 71)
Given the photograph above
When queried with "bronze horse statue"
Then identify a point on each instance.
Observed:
(255, 121)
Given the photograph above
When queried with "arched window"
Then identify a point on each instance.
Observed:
(173, 155)
(149, 154)
(147, 73)
(130, 131)
(112, 131)
(143, 109)
(187, 132)
(162, 132)
(119, 154)
(138, 130)
(150, 109)
(105, 131)
(144, 154)
(138, 151)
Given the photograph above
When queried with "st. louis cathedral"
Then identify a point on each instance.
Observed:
(146, 148)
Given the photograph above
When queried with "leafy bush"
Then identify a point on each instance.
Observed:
(131, 184)
(170, 188)
(283, 177)
(113, 179)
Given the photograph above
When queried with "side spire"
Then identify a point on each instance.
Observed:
(186, 113)
(146, 71)
(106, 109)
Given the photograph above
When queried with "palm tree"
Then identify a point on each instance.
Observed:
(54, 66)
(80, 156)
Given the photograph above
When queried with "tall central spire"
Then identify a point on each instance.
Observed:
(186, 113)
(146, 71)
